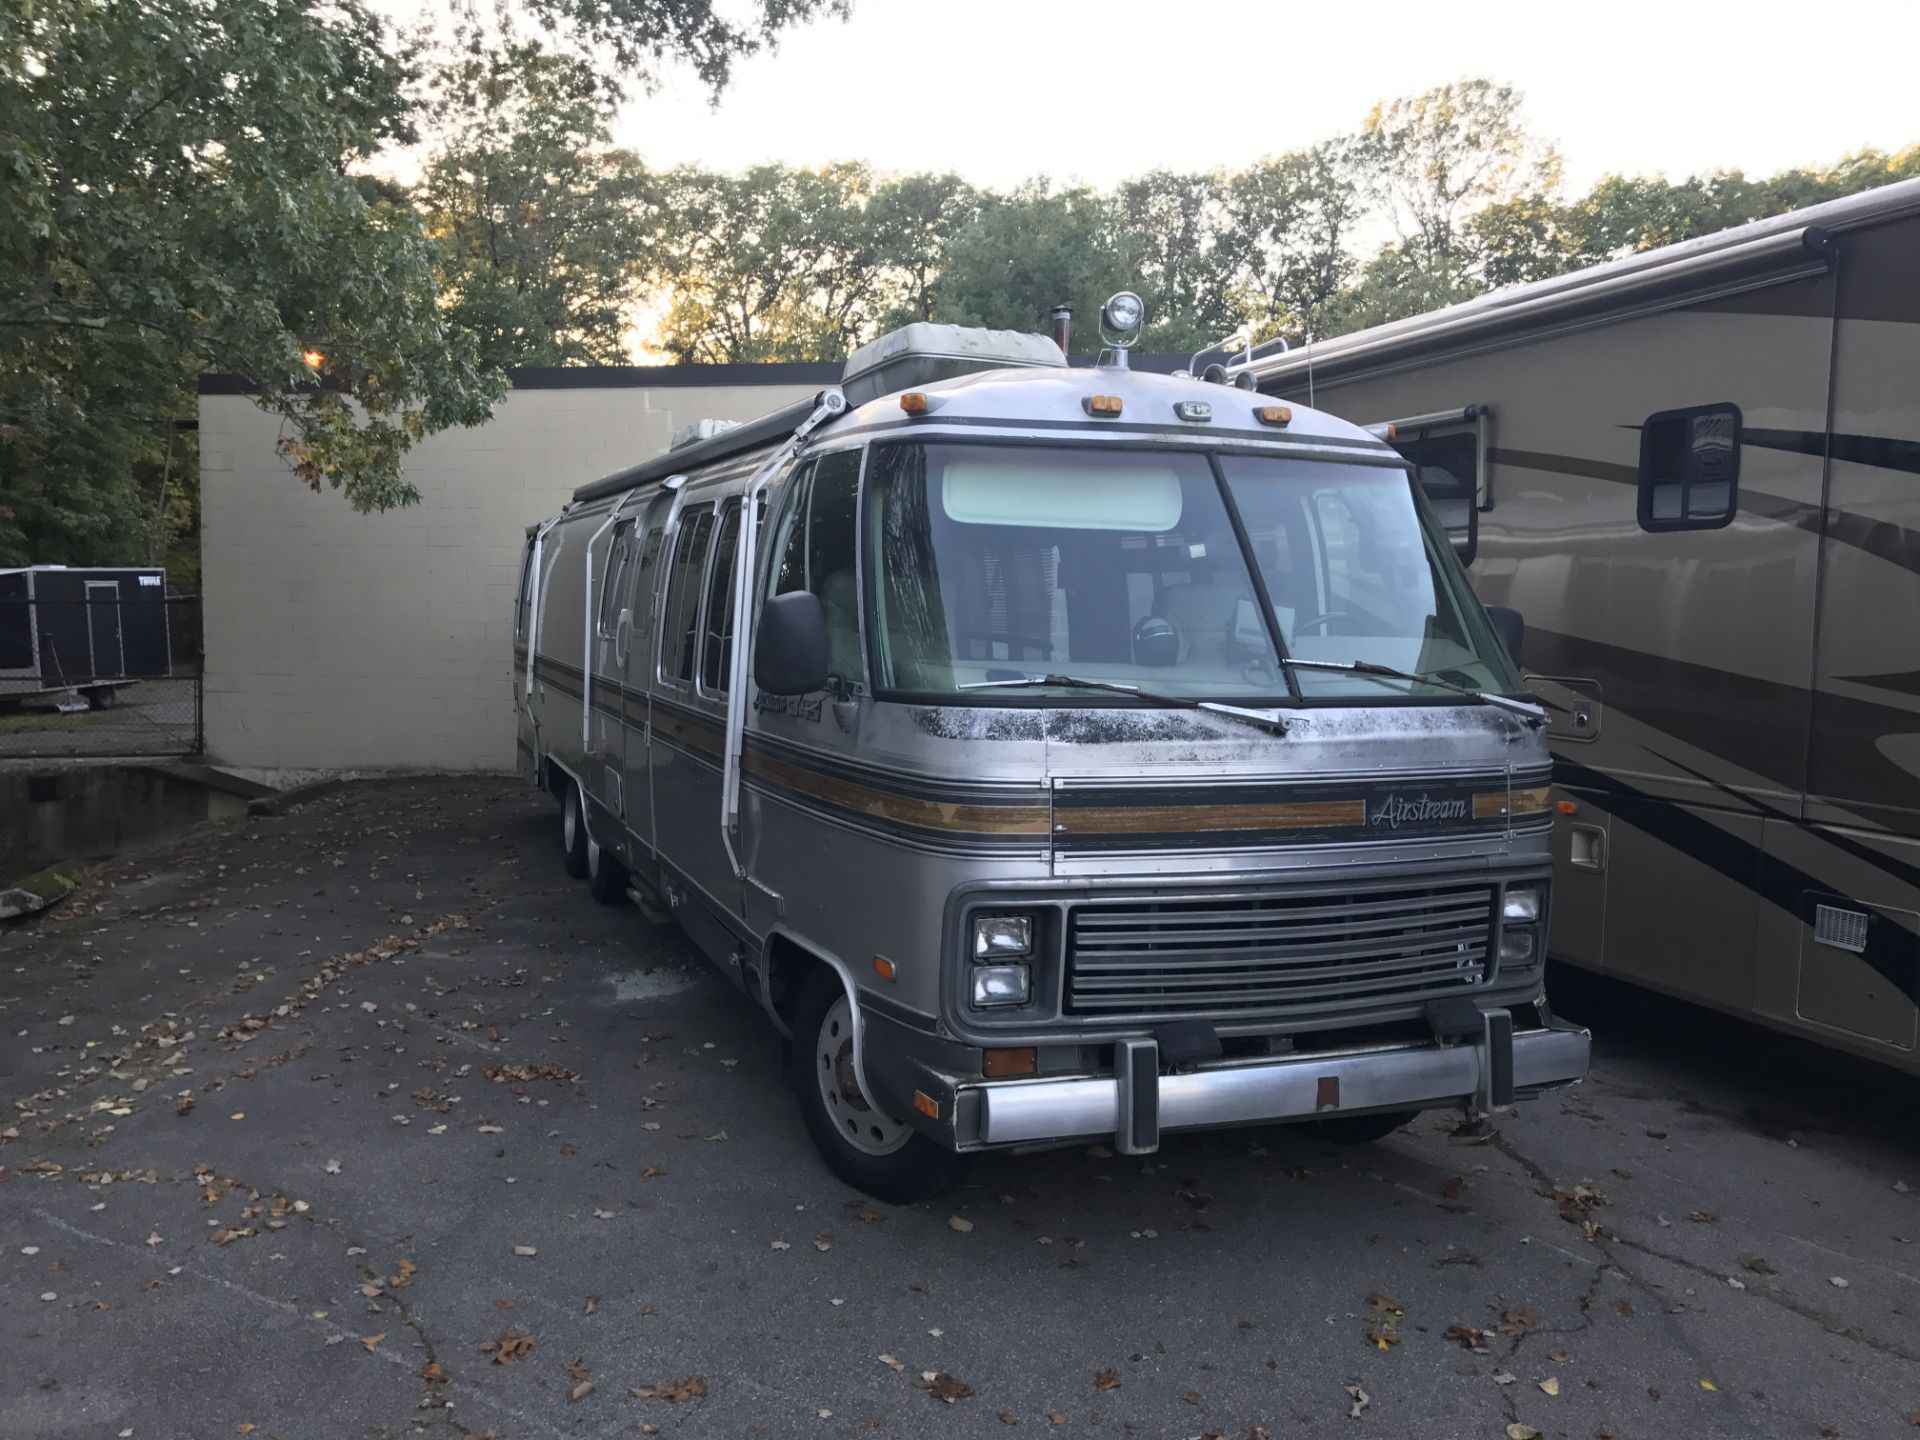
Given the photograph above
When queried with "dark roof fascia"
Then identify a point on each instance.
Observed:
(670, 377)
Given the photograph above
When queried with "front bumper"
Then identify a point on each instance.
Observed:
(1136, 1104)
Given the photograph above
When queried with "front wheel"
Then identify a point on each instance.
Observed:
(870, 1150)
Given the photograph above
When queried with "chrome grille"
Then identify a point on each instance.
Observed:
(1273, 954)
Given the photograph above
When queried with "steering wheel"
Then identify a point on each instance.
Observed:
(1320, 619)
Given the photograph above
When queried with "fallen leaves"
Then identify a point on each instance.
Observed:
(1706, 1384)
(1576, 1204)
(227, 1234)
(403, 1274)
(1515, 1323)
(508, 1347)
(1107, 1380)
(1550, 1385)
(1361, 1400)
(1704, 1217)
(370, 1343)
(651, 1172)
(434, 1373)
(674, 1392)
(526, 1251)
(944, 1387)
(1470, 1337)
(1517, 1431)
(960, 1223)
(526, 1074)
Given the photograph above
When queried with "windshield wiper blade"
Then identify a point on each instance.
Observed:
(1533, 714)
(1273, 724)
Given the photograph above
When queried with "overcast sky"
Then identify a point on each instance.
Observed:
(1000, 90)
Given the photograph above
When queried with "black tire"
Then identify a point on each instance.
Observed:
(101, 699)
(606, 876)
(573, 832)
(916, 1169)
(1357, 1129)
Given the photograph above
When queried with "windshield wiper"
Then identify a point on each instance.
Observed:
(1272, 724)
(1533, 714)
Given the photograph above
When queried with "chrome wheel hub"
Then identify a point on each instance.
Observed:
(860, 1125)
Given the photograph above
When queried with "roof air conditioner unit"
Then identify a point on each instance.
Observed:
(921, 353)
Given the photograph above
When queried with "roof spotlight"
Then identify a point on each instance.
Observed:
(1121, 318)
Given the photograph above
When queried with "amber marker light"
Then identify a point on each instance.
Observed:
(926, 1104)
(914, 403)
(1274, 414)
(1103, 406)
(883, 967)
(1566, 807)
(999, 1063)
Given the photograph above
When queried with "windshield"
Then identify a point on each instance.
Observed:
(1356, 572)
(997, 562)
(1003, 562)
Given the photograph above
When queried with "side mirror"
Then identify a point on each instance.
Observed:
(790, 652)
(1508, 625)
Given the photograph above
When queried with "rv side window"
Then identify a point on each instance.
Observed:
(1690, 468)
(680, 627)
(613, 589)
(818, 551)
(716, 641)
(645, 576)
(1447, 465)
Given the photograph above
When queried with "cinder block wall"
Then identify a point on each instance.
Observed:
(337, 641)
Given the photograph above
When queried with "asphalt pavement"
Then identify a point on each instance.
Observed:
(364, 1120)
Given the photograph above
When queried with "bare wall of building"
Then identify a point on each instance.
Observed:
(345, 642)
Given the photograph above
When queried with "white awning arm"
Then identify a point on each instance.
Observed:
(830, 404)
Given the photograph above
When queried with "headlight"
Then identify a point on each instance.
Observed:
(1522, 906)
(1516, 947)
(1000, 985)
(995, 936)
(1121, 318)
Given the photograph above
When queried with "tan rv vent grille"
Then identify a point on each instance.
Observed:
(1842, 929)
(1277, 953)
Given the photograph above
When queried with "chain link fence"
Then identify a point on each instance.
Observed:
(109, 673)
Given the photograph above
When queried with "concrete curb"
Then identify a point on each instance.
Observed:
(286, 800)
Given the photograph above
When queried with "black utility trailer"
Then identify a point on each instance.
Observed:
(89, 630)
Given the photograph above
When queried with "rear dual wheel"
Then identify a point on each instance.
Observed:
(573, 832)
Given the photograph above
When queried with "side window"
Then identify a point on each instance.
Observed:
(716, 640)
(788, 544)
(829, 549)
(645, 577)
(1690, 468)
(679, 626)
(617, 581)
(1447, 465)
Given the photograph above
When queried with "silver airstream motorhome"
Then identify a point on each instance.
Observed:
(1101, 754)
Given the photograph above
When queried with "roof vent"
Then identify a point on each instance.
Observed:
(699, 430)
(922, 353)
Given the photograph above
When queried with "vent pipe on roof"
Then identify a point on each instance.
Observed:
(1061, 325)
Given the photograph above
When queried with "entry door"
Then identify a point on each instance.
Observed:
(103, 629)
(688, 717)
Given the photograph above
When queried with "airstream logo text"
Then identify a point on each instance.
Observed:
(1393, 811)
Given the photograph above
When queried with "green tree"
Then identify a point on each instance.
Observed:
(1436, 157)
(541, 227)
(1289, 230)
(772, 264)
(914, 219)
(1030, 250)
(180, 181)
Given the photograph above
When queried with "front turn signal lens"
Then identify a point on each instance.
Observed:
(914, 403)
(1106, 406)
(1274, 414)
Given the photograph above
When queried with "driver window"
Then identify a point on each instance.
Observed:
(817, 553)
